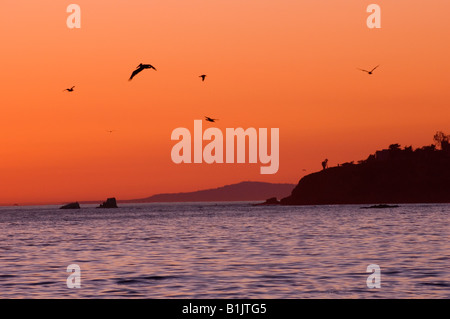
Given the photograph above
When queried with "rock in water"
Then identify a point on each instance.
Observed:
(110, 203)
(270, 201)
(381, 206)
(74, 205)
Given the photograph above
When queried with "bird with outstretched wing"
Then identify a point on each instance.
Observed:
(369, 72)
(69, 90)
(208, 119)
(140, 68)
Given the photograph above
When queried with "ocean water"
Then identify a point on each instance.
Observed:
(223, 250)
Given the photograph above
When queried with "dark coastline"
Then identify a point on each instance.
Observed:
(391, 176)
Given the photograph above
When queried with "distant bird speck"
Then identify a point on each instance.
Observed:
(69, 90)
(208, 119)
(139, 68)
(203, 76)
(369, 72)
(110, 131)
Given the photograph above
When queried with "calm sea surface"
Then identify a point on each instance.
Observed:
(225, 251)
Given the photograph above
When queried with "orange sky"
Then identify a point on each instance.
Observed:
(288, 64)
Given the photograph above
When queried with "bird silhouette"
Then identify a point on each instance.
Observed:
(69, 90)
(110, 131)
(139, 68)
(203, 76)
(208, 119)
(369, 72)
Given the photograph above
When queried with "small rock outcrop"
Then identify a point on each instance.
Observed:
(110, 203)
(270, 201)
(74, 205)
(380, 206)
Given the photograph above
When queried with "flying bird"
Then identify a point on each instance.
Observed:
(139, 68)
(203, 76)
(110, 131)
(208, 119)
(369, 72)
(69, 90)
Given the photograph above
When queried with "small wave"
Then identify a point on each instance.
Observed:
(43, 283)
(436, 283)
(141, 279)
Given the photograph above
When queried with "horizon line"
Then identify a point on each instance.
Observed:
(93, 202)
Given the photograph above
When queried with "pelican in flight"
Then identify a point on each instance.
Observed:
(203, 76)
(208, 119)
(139, 68)
(369, 72)
(69, 90)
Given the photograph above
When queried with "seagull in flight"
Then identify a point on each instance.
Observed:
(203, 76)
(208, 119)
(369, 72)
(139, 68)
(69, 90)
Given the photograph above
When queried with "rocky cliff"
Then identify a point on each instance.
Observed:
(393, 175)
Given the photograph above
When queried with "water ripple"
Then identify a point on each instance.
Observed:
(225, 251)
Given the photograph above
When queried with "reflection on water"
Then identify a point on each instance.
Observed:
(225, 251)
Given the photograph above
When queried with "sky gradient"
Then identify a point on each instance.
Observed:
(281, 64)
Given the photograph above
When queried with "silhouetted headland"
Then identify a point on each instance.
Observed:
(110, 203)
(390, 176)
(244, 191)
(74, 205)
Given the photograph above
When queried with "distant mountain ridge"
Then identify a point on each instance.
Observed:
(243, 191)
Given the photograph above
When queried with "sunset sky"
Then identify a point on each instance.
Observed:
(287, 64)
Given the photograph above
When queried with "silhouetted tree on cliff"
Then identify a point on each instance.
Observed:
(442, 140)
(394, 147)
